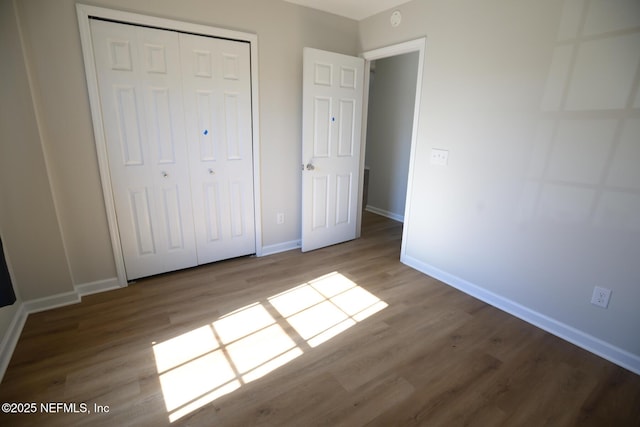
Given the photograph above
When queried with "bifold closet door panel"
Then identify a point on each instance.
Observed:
(140, 87)
(216, 76)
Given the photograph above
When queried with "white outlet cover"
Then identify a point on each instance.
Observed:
(601, 296)
(396, 18)
(439, 157)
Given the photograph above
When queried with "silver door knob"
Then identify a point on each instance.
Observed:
(211, 172)
(164, 174)
(310, 167)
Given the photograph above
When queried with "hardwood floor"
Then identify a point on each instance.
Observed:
(421, 353)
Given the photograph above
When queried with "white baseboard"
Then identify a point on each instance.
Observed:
(391, 215)
(11, 336)
(54, 301)
(281, 247)
(97, 286)
(575, 336)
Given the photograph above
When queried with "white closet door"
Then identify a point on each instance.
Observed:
(143, 116)
(216, 77)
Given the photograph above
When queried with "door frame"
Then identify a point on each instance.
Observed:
(85, 12)
(417, 45)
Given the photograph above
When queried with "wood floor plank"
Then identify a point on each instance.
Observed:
(430, 355)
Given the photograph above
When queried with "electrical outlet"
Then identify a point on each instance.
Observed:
(601, 296)
(439, 157)
(280, 218)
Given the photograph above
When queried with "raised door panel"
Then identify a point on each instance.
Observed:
(143, 224)
(205, 119)
(211, 211)
(344, 192)
(320, 202)
(128, 125)
(322, 116)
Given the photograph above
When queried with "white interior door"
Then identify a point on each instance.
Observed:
(331, 127)
(139, 80)
(217, 95)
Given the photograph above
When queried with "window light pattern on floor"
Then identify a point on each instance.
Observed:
(201, 365)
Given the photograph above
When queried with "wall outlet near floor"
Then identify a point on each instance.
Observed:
(280, 218)
(439, 157)
(601, 296)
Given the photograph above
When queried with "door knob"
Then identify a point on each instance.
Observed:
(211, 172)
(310, 167)
(164, 174)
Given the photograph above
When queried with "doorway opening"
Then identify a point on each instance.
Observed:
(390, 128)
(392, 91)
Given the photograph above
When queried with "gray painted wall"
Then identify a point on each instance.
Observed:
(392, 94)
(28, 222)
(538, 104)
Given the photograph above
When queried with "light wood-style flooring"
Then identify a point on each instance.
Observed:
(421, 352)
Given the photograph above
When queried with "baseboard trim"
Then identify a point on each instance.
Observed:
(11, 336)
(281, 247)
(54, 301)
(390, 215)
(97, 286)
(575, 336)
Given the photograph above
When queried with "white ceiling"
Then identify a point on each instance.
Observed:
(354, 9)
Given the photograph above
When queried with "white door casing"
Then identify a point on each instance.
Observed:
(140, 87)
(419, 46)
(331, 143)
(217, 95)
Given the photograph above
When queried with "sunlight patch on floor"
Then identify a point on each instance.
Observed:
(326, 306)
(201, 365)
